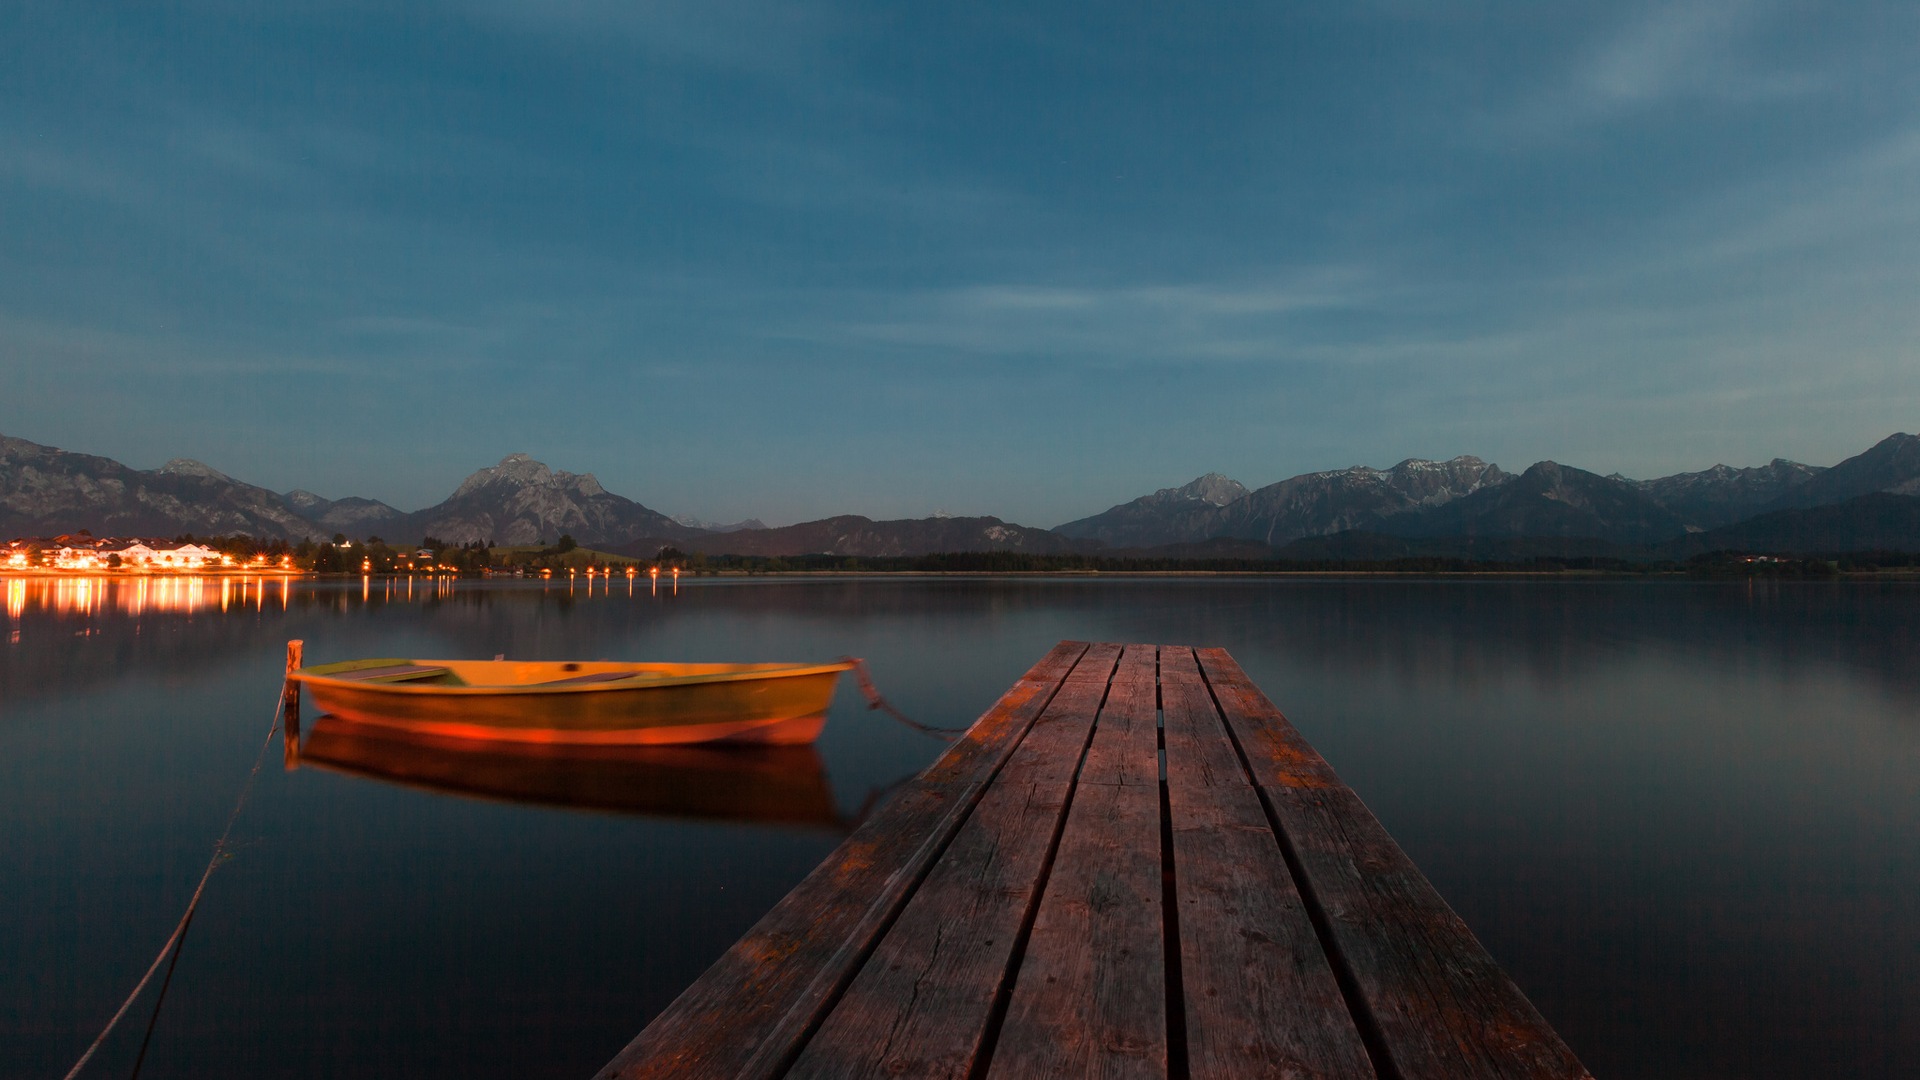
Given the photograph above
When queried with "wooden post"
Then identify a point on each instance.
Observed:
(290, 705)
(290, 693)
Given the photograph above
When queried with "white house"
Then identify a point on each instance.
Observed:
(134, 554)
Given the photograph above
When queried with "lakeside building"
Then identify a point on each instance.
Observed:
(70, 552)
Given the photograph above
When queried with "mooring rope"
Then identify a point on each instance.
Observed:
(180, 930)
(875, 700)
(159, 1000)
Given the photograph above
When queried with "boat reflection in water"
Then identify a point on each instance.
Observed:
(774, 785)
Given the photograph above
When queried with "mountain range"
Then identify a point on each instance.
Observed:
(1313, 504)
(852, 535)
(1463, 506)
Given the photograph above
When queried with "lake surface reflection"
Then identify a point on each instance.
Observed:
(1685, 816)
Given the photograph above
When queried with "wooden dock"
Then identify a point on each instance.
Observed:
(1132, 865)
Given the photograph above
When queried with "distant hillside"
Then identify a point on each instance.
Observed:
(1312, 504)
(851, 535)
(692, 522)
(358, 517)
(1324, 503)
(1168, 516)
(1892, 464)
(1723, 495)
(44, 490)
(1223, 547)
(1549, 500)
(1880, 521)
(1378, 547)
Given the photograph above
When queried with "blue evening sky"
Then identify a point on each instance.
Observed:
(1029, 259)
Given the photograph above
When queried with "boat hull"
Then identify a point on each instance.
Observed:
(769, 705)
(769, 785)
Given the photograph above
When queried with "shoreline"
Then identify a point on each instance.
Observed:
(1881, 573)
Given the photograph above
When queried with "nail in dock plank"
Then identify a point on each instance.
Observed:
(1050, 899)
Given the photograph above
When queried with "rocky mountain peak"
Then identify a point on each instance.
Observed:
(1458, 463)
(515, 470)
(1213, 489)
(1419, 471)
(583, 483)
(198, 470)
(1456, 476)
(1898, 455)
(522, 501)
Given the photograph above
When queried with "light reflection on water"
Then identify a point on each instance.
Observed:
(1685, 816)
(771, 785)
(138, 594)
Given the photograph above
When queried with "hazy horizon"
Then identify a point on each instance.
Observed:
(786, 261)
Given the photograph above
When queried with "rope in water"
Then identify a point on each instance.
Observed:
(875, 700)
(180, 930)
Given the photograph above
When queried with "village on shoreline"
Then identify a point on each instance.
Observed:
(83, 553)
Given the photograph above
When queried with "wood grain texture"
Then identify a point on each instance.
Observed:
(1437, 1003)
(1004, 914)
(1090, 996)
(747, 1013)
(1260, 998)
(920, 1005)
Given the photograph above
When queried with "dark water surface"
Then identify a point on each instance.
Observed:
(1686, 817)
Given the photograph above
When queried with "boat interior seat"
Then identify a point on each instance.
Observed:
(599, 676)
(394, 673)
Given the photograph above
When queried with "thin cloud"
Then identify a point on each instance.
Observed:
(1699, 51)
(786, 42)
(1664, 54)
(1124, 324)
(32, 163)
(1868, 196)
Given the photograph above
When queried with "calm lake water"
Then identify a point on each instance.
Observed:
(1685, 816)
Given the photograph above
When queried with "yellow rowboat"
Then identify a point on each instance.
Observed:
(600, 703)
(774, 785)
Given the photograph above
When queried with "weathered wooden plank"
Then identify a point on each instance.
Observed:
(748, 1012)
(921, 1004)
(1090, 996)
(1437, 1004)
(1260, 999)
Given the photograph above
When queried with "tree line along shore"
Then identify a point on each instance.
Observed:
(564, 557)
